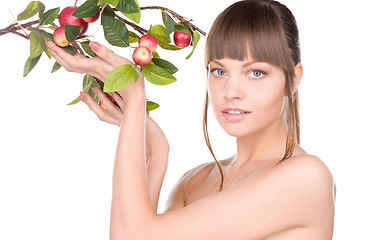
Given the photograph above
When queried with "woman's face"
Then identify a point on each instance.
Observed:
(246, 96)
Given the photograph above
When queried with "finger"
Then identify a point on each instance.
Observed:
(102, 114)
(118, 99)
(78, 62)
(113, 109)
(108, 55)
(62, 57)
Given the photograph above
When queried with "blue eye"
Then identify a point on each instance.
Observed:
(217, 72)
(257, 73)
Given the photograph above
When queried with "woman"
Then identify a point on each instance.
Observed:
(271, 189)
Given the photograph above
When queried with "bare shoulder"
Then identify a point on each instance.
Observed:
(308, 167)
(310, 184)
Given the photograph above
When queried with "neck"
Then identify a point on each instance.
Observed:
(267, 145)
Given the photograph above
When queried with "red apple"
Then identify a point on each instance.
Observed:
(66, 18)
(148, 41)
(142, 56)
(181, 39)
(92, 19)
(59, 37)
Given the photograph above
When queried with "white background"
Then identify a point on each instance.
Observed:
(56, 160)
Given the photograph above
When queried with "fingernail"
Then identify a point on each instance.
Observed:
(95, 46)
(81, 98)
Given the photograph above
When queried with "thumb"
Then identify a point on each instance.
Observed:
(108, 55)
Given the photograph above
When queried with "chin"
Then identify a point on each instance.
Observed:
(238, 131)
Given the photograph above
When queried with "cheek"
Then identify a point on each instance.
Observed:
(268, 103)
(214, 93)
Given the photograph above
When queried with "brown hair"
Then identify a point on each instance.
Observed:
(265, 30)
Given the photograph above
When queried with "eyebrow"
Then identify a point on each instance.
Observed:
(244, 65)
(217, 62)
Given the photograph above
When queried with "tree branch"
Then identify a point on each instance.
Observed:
(13, 28)
(141, 30)
(19, 34)
(176, 15)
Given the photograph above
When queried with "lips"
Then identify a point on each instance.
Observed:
(235, 111)
(235, 114)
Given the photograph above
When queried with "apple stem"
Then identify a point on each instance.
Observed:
(75, 4)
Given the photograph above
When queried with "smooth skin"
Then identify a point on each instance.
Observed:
(292, 200)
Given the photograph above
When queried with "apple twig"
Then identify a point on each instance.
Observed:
(15, 26)
(177, 16)
(141, 30)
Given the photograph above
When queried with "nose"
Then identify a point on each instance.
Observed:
(233, 88)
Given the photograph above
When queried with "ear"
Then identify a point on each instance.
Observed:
(297, 76)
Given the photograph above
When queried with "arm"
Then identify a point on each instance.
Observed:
(297, 193)
(157, 144)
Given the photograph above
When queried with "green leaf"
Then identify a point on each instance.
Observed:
(112, 2)
(30, 64)
(75, 101)
(159, 32)
(196, 38)
(169, 67)
(87, 48)
(70, 49)
(49, 16)
(119, 78)
(35, 46)
(168, 46)
(135, 73)
(72, 32)
(87, 9)
(128, 6)
(168, 22)
(157, 75)
(37, 38)
(88, 83)
(45, 35)
(107, 11)
(155, 55)
(29, 11)
(181, 28)
(115, 32)
(40, 9)
(133, 37)
(134, 16)
(151, 106)
(56, 67)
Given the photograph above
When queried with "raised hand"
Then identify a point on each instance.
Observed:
(98, 67)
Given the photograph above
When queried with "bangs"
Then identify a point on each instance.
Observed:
(248, 31)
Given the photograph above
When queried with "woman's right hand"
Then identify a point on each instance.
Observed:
(156, 141)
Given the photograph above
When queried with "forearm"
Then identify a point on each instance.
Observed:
(131, 204)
